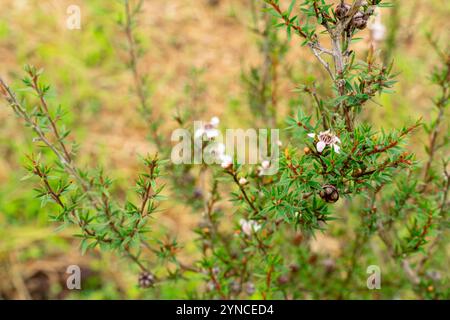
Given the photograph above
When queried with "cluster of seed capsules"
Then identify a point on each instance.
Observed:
(360, 18)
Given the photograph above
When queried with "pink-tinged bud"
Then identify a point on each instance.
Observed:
(243, 181)
(265, 164)
(227, 162)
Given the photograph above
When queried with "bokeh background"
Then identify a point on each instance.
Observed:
(195, 54)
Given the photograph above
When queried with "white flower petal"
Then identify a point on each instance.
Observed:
(255, 226)
(336, 148)
(320, 146)
(246, 228)
(312, 135)
(336, 138)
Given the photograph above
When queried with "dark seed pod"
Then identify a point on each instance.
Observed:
(359, 20)
(294, 268)
(283, 279)
(329, 193)
(146, 279)
(342, 10)
(198, 193)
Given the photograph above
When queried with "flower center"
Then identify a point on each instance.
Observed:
(327, 138)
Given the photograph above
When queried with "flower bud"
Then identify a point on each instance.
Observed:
(306, 150)
(265, 164)
(243, 181)
(146, 279)
(227, 162)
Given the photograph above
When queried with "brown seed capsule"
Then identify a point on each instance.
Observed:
(294, 268)
(342, 10)
(359, 20)
(297, 240)
(329, 193)
(357, 172)
(146, 279)
(312, 259)
(283, 279)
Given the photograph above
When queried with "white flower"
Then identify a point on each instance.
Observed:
(326, 138)
(243, 181)
(209, 129)
(265, 164)
(279, 143)
(377, 29)
(248, 227)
